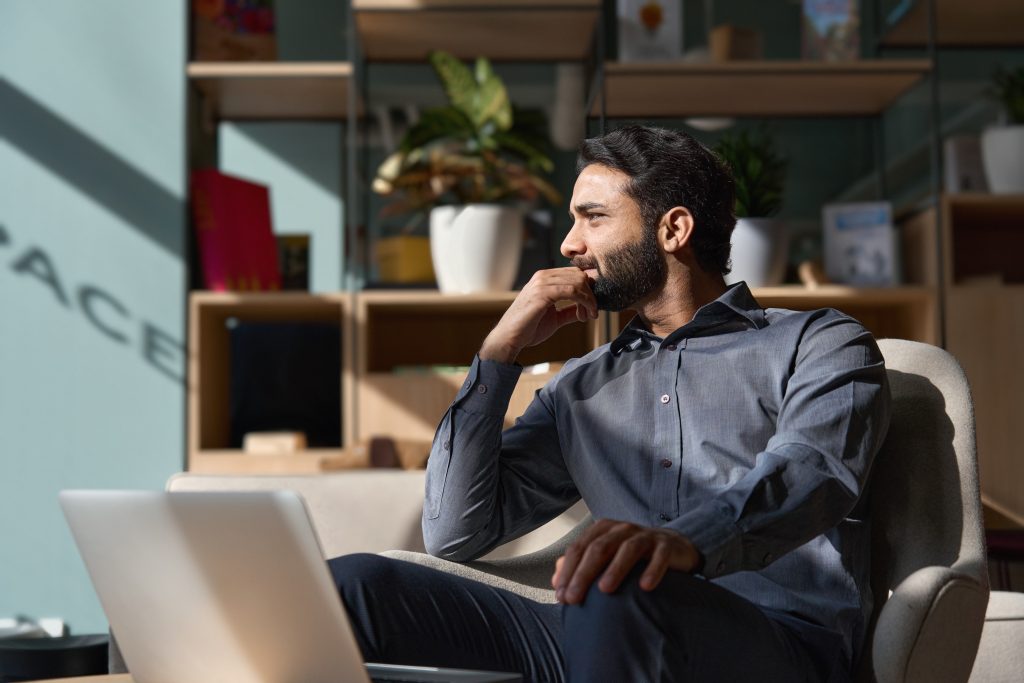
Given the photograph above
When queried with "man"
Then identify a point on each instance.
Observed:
(722, 448)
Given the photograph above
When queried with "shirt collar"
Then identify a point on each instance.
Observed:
(736, 302)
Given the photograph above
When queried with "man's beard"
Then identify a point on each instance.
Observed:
(629, 273)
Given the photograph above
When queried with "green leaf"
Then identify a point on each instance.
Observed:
(436, 125)
(457, 79)
(534, 157)
(491, 102)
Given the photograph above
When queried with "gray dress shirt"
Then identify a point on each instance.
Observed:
(749, 431)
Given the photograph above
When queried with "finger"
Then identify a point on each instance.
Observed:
(594, 561)
(558, 568)
(630, 552)
(656, 568)
(568, 562)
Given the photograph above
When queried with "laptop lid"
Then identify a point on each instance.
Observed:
(223, 586)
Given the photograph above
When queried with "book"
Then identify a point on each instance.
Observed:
(831, 30)
(860, 243)
(234, 30)
(236, 244)
(964, 170)
(649, 30)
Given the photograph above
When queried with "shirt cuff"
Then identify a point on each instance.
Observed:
(717, 539)
(488, 387)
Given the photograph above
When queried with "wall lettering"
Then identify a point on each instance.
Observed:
(35, 262)
(103, 311)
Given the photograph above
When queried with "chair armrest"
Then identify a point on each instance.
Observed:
(929, 629)
(526, 575)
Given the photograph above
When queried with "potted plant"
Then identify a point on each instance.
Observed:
(473, 165)
(759, 242)
(1002, 147)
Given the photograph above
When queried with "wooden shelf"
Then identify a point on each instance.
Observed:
(274, 90)
(230, 461)
(757, 88)
(979, 23)
(512, 30)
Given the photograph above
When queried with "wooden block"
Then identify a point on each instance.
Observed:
(273, 443)
(728, 42)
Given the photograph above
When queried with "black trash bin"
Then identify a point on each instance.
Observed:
(30, 659)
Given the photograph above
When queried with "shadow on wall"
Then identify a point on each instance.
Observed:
(104, 312)
(94, 170)
(137, 200)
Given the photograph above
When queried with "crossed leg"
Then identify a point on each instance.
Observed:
(687, 629)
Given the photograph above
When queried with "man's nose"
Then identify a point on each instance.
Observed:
(572, 245)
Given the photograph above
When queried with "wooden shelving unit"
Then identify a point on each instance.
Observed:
(274, 90)
(983, 237)
(979, 23)
(756, 88)
(897, 312)
(519, 30)
(405, 336)
(209, 377)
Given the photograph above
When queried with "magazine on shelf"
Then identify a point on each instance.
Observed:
(860, 244)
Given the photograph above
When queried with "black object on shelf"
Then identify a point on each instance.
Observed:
(31, 659)
(286, 376)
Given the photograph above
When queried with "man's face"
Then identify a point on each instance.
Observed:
(621, 255)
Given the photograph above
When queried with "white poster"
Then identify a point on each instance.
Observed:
(650, 30)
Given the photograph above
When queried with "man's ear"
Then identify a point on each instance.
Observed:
(676, 229)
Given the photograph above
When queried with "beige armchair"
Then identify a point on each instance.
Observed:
(928, 555)
(928, 549)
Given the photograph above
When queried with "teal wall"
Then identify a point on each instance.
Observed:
(92, 276)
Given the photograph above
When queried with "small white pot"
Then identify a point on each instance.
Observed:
(476, 247)
(1002, 154)
(759, 250)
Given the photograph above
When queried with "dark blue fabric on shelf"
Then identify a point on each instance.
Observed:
(286, 376)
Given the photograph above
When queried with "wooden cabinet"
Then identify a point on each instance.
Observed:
(983, 280)
(211, 317)
(413, 348)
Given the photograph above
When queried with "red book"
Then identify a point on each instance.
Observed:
(232, 223)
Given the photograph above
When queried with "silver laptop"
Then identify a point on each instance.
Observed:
(212, 587)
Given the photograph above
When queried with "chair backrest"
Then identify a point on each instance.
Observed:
(927, 530)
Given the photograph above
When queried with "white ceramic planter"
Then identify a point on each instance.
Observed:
(759, 250)
(476, 247)
(1002, 155)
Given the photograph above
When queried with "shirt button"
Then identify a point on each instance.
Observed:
(665, 398)
(482, 388)
(767, 559)
(670, 347)
(663, 517)
(720, 567)
(666, 463)
(446, 445)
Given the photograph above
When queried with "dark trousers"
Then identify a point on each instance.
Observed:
(687, 629)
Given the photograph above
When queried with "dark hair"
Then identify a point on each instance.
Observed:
(667, 168)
